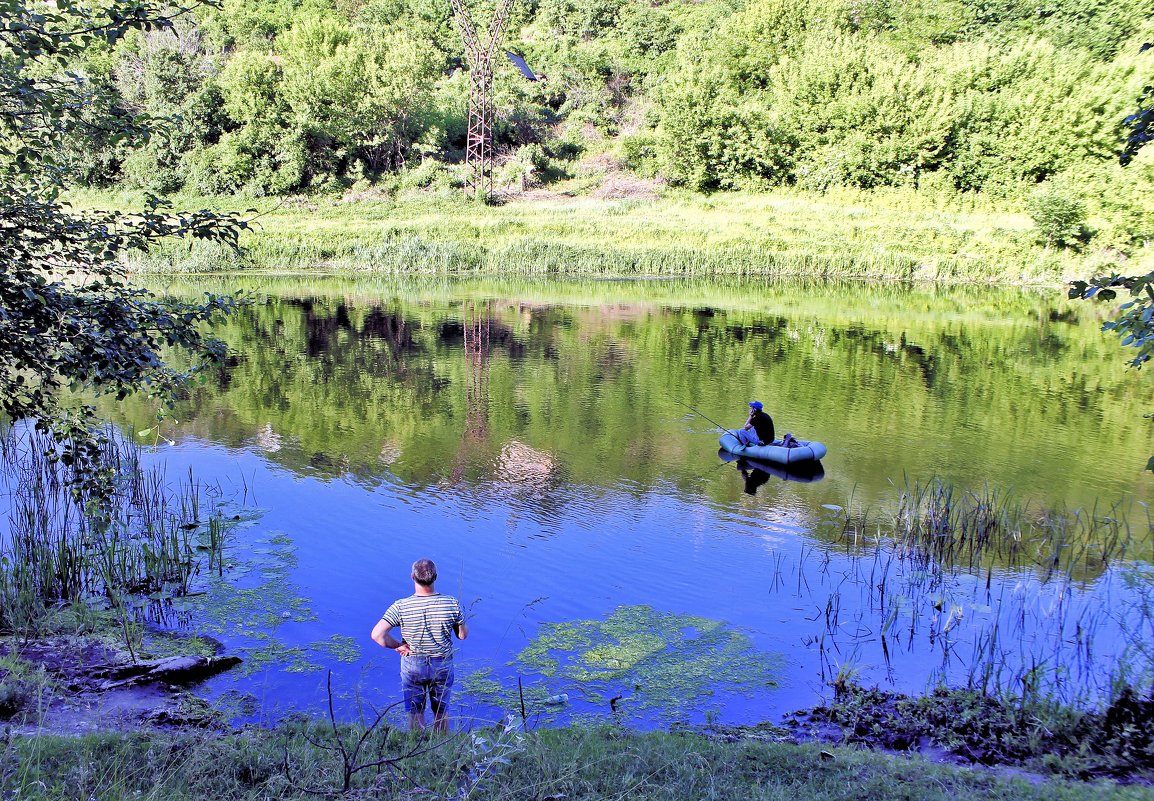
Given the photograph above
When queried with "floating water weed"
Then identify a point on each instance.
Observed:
(639, 659)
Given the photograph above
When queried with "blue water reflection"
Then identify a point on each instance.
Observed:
(539, 453)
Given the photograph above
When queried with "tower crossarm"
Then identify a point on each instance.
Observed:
(468, 31)
(497, 24)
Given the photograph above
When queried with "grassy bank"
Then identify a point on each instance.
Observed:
(299, 761)
(891, 234)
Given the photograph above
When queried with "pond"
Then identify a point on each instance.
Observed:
(553, 447)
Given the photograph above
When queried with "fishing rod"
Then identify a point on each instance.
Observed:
(699, 414)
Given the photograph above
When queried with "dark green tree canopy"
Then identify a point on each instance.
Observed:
(1140, 124)
(68, 315)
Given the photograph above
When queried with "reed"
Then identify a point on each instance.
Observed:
(1040, 605)
(132, 551)
(893, 234)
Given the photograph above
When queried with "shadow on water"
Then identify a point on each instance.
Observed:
(756, 473)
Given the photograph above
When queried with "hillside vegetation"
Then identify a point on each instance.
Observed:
(1019, 101)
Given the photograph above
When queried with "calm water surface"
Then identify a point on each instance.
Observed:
(536, 441)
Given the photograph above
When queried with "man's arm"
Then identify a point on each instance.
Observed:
(459, 628)
(383, 638)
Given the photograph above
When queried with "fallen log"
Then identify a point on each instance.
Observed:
(172, 670)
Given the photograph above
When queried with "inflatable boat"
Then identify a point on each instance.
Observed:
(805, 452)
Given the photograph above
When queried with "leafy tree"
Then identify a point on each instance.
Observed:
(163, 81)
(254, 23)
(358, 89)
(68, 316)
(1140, 124)
(712, 139)
(1100, 27)
(1134, 323)
(263, 152)
(575, 21)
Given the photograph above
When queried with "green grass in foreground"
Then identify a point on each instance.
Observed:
(570, 764)
(883, 234)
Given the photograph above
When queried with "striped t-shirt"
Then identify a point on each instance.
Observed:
(427, 622)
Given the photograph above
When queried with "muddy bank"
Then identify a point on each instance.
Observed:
(80, 685)
(1028, 739)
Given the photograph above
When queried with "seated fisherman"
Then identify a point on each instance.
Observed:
(758, 429)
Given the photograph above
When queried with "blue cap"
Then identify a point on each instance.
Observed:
(755, 404)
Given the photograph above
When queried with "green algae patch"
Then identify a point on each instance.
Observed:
(639, 659)
(299, 658)
(481, 685)
(251, 601)
(257, 595)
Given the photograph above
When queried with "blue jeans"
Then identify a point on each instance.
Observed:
(746, 437)
(426, 677)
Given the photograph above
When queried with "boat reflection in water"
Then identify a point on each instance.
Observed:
(757, 472)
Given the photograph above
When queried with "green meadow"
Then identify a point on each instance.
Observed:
(884, 234)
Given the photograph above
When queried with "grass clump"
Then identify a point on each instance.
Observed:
(23, 687)
(300, 759)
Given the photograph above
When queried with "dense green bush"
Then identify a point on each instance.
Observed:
(847, 102)
(639, 152)
(1059, 215)
(993, 96)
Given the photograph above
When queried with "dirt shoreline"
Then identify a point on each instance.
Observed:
(84, 685)
(88, 686)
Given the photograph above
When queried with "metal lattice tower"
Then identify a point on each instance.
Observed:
(479, 57)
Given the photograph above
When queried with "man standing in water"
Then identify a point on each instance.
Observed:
(427, 620)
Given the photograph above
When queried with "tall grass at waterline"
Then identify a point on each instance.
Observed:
(59, 544)
(939, 524)
(1042, 605)
(295, 761)
(897, 234)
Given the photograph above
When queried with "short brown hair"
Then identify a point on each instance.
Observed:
(424, 572)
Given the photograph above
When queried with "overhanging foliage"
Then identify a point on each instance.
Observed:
(68, 316)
